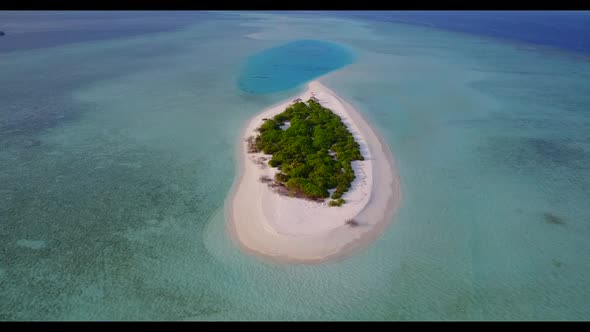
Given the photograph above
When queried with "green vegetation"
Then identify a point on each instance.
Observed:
(337, 202)
(314, 154)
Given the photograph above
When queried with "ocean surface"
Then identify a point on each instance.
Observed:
(288, 66)
(117, 155)
(568, 30)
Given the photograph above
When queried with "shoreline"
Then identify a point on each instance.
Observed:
(292, 230)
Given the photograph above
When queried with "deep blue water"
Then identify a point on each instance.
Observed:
(29, 30)
(568, 30)
(287, 66)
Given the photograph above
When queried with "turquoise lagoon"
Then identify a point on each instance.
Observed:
(287, 66)
(117, 157)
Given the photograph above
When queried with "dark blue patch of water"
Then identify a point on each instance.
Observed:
(567, 30)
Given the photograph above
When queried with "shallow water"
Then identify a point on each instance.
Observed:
(117, 156)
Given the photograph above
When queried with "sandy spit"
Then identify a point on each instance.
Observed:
(292, 230)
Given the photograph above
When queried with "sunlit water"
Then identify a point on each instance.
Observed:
(117, 156)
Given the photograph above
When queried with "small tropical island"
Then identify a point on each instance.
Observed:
(306, 189)
(313, 150)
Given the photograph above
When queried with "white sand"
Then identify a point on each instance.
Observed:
(296, 230)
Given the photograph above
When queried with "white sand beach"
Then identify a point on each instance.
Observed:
(296, 230)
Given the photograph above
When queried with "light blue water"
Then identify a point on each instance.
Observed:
(117, 156)
(287, 66)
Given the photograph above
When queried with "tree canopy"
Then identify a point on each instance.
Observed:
(313, 154)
